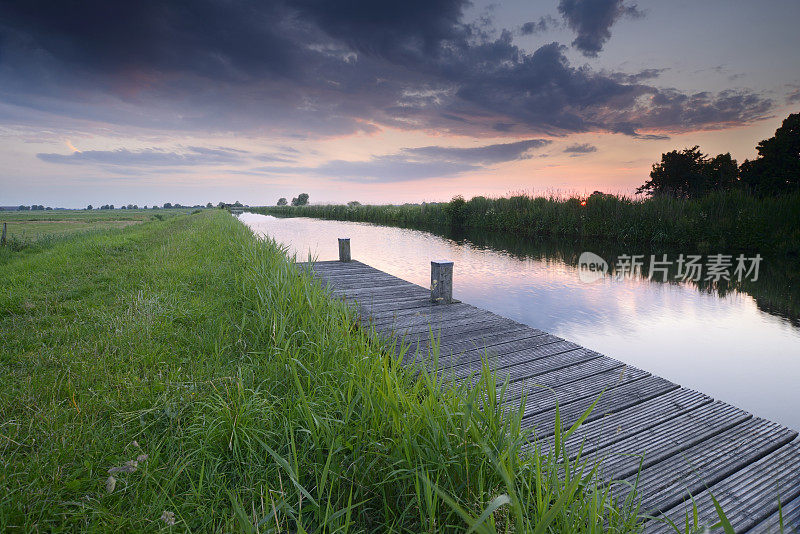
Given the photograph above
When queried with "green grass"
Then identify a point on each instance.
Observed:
(250, 400)
(27, 227)
(731, 220)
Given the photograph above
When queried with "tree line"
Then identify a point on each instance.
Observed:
(691, 174)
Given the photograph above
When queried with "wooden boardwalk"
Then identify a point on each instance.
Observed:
(686, 443)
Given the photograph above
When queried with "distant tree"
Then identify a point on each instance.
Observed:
(167, 205)
(89, 207)
(111, 206)
(777, 167)
(690, 174)
(353, 204)
(122, 207)
(209, 205)
(722, 172)
(678, 174)
(282, 201)
(300, 200)
(24, 208)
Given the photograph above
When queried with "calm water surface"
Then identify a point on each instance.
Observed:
(725, 345)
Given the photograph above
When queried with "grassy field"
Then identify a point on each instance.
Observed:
(27, 227)
(182, 371)
(731, 220)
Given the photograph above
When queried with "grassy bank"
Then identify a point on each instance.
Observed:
(730, 220)
(228, 393)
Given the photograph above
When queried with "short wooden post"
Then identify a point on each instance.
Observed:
(3, 239)
(344, 249)
(442, 281)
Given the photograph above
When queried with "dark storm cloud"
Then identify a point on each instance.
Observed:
(540, 26)
(592, 21)
(314, 68)
(416, 163)
(637, 77)
(484, 154)
(149, 157)
(582, 148)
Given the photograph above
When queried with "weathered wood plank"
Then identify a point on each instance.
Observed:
(475, 335)
(639, 418)
(562, 377)
(612, 400)
(748, 496)
(518, 355)
(783, 521)
(671, 481)
(541, 400)
(623, 458)
(443, 331)
(540, 365)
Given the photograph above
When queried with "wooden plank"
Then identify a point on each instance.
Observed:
(623, 458)
(368, 305)
(433, 324)
(542, 400)
(476, 334)
(445, 331)
(561, 377)
(436, 312)
(494, 343)
(748, 497)
(541, 365)
(613, 400)
(433, 309)
(786, 520)
(507, 361)
(639, 418)
(479, 335)
(378, 291)
(352, 280)
(373, 283)
(671, 481)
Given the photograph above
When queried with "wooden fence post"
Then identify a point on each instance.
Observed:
(3, 239)
(344, 249)
(442, 281)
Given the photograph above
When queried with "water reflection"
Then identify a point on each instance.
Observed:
(737, 342)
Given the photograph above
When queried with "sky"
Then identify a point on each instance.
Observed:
(201, 101)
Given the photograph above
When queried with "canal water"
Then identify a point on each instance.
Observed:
(738, 342)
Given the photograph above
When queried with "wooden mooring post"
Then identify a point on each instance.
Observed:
(442, 281)
(344, 249)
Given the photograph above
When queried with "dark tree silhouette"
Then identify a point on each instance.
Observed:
(282, 201)
(300, 200)
(690, 174)
(777, 168)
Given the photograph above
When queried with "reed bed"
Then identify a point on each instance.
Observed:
(725, 220)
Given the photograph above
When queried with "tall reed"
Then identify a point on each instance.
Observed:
(727, 220)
